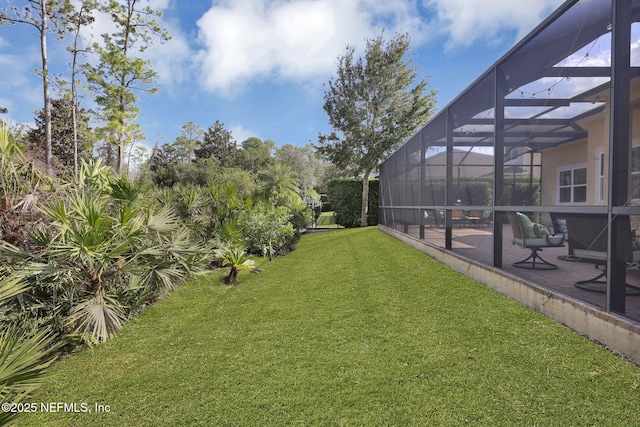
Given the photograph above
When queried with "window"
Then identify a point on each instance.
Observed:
(572, 185)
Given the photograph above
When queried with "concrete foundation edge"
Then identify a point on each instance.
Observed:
(616, 333)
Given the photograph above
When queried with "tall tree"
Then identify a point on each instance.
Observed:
(218, 142)
(37, 13)
(304, 161)
(70, 139)
(74, 19)
(373, 103)
(255, 154)
(120, 74)
(189, 141)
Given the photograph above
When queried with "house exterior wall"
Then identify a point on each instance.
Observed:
(555, 159)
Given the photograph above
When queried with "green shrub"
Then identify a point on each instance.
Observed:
(345, 196)
(266, 229)
(478, 191)
(102, 252)
(470, 192)
(301, 215)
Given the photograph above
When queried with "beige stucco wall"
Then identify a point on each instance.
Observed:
(573, 154)
(577, 154)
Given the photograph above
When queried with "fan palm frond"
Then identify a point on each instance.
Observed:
(280, 180)
(165, 221)
(22, 364)
(10, 286)
(237, 260)
(95, 175)
(123, 189)
(7, 250)
(39, 235)
(97, 318)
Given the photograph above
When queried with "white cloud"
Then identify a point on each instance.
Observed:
(298, 40)
(240, 134)
(465, 22)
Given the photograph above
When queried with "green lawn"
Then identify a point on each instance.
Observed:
(353, 328)
(327, 220)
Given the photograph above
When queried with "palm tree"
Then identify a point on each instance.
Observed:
(107, 252)
(23, 361)
(280, 181)
(18, 176)
(237, 260)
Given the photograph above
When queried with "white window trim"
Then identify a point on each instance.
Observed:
(600, 176)
(571, 168)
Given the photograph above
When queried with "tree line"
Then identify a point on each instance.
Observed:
(373, 103)
(111, 70)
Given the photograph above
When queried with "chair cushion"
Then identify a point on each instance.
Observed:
(527, 226)
(560, 225)
(536, 242)
(540, 230)
(531, 229)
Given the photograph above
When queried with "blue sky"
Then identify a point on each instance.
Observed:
(259, 66)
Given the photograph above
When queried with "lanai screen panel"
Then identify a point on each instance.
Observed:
(397, 172)
(557, 77)
(472, 141)
(541, 90)
(384, 216)
(413, 154)
(434, 164)
(391, 189)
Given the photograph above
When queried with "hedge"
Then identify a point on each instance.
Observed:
(345, 196)
(479, 192)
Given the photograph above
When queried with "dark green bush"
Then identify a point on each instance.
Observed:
(345, 196)
(326, 205)
(478, 191)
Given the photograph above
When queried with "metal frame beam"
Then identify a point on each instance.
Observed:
(619, 149)
(498, 162)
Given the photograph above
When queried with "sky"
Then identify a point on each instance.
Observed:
(260, 66)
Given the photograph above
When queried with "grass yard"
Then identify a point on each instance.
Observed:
(353, 328)
(327, 220)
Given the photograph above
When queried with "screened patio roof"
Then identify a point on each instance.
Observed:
(553, 79)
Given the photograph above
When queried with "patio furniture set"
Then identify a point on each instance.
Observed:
(586, 237)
